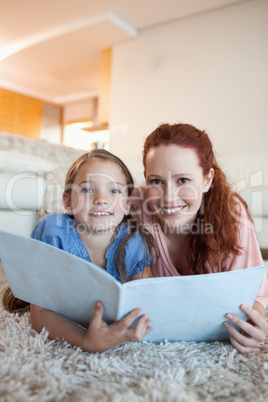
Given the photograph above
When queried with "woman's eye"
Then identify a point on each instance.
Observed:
(87, 191)
(155, 181)
(183, 180)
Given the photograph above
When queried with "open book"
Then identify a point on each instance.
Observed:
(189, 308)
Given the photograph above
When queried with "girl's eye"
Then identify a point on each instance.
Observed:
(87, 191)
(183, 180)
(155, 181)
(115, 191)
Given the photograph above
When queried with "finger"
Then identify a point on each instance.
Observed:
(142, 323)
(143, 319)
(96, 319)
(129, 318)
(242, 348)
(248, 328)
(140, 331)
(149, 329)
(241, 339)
(137, 336)
(255, 317)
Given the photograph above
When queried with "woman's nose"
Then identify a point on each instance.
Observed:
(169, 193)
(168, 196)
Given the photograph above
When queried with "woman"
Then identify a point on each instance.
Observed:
(198, 223)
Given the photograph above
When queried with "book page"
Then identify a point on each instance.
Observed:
(191, 308)
(51, 278)
(181, 308)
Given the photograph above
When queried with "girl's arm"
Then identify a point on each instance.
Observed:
(254, 331)
(99, 336)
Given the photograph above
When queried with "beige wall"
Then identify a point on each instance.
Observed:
(209, 70)
(79, 111)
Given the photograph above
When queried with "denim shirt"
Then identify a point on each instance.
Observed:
(59, 231)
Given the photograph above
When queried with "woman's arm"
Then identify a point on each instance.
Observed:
(253, 331)
(99, 336)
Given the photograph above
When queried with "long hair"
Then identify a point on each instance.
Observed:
(207, 249)
(131, 220)
(13, 304)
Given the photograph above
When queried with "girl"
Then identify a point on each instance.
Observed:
(198, 223)
(99, 226)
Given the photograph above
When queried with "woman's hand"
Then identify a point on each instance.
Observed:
(253, 331)
(101, 336)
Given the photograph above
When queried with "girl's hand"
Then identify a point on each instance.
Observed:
(254, 331)
(101, 336)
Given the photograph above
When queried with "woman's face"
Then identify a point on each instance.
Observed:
(175, 185)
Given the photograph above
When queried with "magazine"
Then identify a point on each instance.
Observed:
(182, 308)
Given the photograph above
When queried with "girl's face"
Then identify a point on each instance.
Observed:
(175, 184)
(99, 197)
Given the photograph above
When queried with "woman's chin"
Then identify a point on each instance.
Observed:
(176, 226)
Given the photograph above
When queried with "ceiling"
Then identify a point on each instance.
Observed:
(51, 49)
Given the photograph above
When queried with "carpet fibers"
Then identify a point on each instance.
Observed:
(34, 368)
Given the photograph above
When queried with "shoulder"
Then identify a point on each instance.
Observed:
(250, 255)
(242, 214)
(52, 228)
(123, 231)
(55, 220)
(135, 253)
(135, 241)
(136, 250)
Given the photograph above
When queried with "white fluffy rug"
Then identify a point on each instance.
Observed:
(33, 368)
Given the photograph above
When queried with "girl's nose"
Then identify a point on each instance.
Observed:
(100, 198)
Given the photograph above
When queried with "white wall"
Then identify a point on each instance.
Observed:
(210, 70)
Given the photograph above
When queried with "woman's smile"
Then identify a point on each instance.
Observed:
(171, 211)
(175, 185)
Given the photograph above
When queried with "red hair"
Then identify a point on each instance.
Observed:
(220, 204)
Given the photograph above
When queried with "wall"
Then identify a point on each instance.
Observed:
(30, 117)
(80, 111)
(51, 129)
(20, 114)
(209, 70)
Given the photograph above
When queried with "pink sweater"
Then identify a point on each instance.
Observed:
(250, 257)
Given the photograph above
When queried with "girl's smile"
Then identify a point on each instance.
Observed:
(99, 197)
(100, 214)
